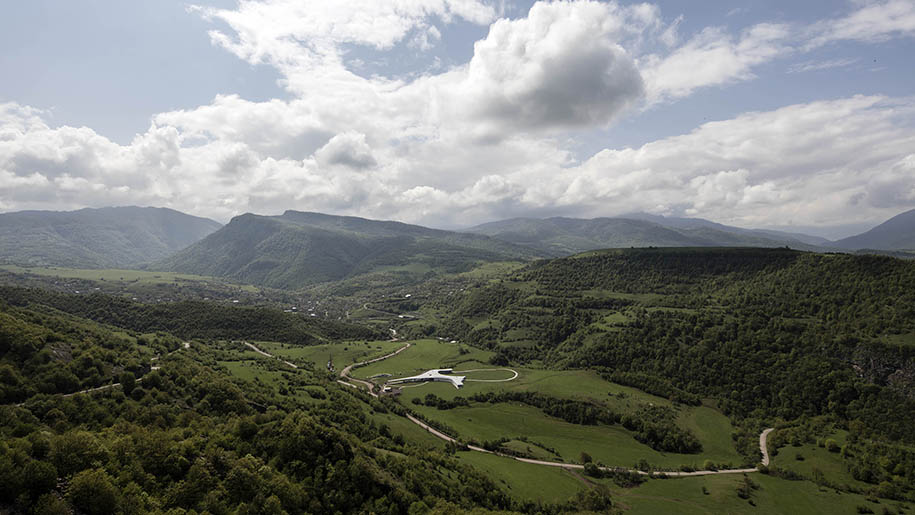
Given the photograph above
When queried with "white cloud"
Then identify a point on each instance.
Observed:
(561, 66)
(873, 21)
(346, 149)
(483, 140)
(712, 58)
(809, 66)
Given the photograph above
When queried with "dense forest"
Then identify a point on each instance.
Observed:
(181, 435)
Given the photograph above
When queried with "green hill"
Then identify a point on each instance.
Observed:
(297, 249)
(566, 236)
(109, 237)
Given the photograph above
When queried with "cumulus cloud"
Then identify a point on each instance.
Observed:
(561, 66)
(482, 140)
(346, 149)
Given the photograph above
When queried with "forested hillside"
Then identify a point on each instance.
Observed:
(185, 436)
(299, 249)
(773, 334)
(98, 238)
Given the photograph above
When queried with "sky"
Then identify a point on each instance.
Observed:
(450, 113)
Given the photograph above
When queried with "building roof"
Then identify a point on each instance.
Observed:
(441, 375)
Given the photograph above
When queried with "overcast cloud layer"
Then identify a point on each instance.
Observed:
(494, 137)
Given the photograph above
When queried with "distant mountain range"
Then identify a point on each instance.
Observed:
(564, 236)
(111, 237)
(298, 249)
(897, 233)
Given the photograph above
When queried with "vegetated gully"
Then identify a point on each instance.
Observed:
(347, 380)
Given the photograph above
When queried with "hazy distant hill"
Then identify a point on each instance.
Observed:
(298, 249)
(897, 233)
(700, 223)
(109, 237)
(564, 236)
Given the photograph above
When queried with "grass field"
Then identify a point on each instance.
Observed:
(817, 462)
(690, 495)
(424, 355)
(685, 495)
(117, 275)
(523, 480)
(612, 445)
(342, 353)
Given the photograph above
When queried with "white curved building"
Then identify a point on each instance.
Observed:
(441, 375)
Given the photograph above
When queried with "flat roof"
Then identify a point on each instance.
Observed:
(440, 374)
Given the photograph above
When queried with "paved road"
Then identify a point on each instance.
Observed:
(762, 437)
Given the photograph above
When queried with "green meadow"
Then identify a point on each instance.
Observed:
(342, 354)
(611, 445)
(113, 274)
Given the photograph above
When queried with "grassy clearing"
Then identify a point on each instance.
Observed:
(495, 270)
(817, 462)
(714, 430)
(342, 353)
(410, 431)
(901, 339)
(611, 445)
(524, 480)
(685, 495)
(141, 276)
(424, 355)
(496, 374)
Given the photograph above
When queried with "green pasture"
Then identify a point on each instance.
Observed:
(774, 495)
(424, 355)
(524, 480)
(411, 432)
(343, 353)
(812, 461)
(495, 270)
(611, 445)
(712, 494)
(112, 274)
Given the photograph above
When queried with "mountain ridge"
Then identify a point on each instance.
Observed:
(897, 233)
(110, 237)
(297, 249)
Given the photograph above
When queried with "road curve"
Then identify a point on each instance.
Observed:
(344, 374)
(512, 378)
(345, 377)
(255, 349)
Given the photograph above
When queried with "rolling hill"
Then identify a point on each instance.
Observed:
(565, 236)
(897, 233)
(111, 237)
(297, 249)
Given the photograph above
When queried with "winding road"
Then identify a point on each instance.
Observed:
(345, 377)
(255, 349)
